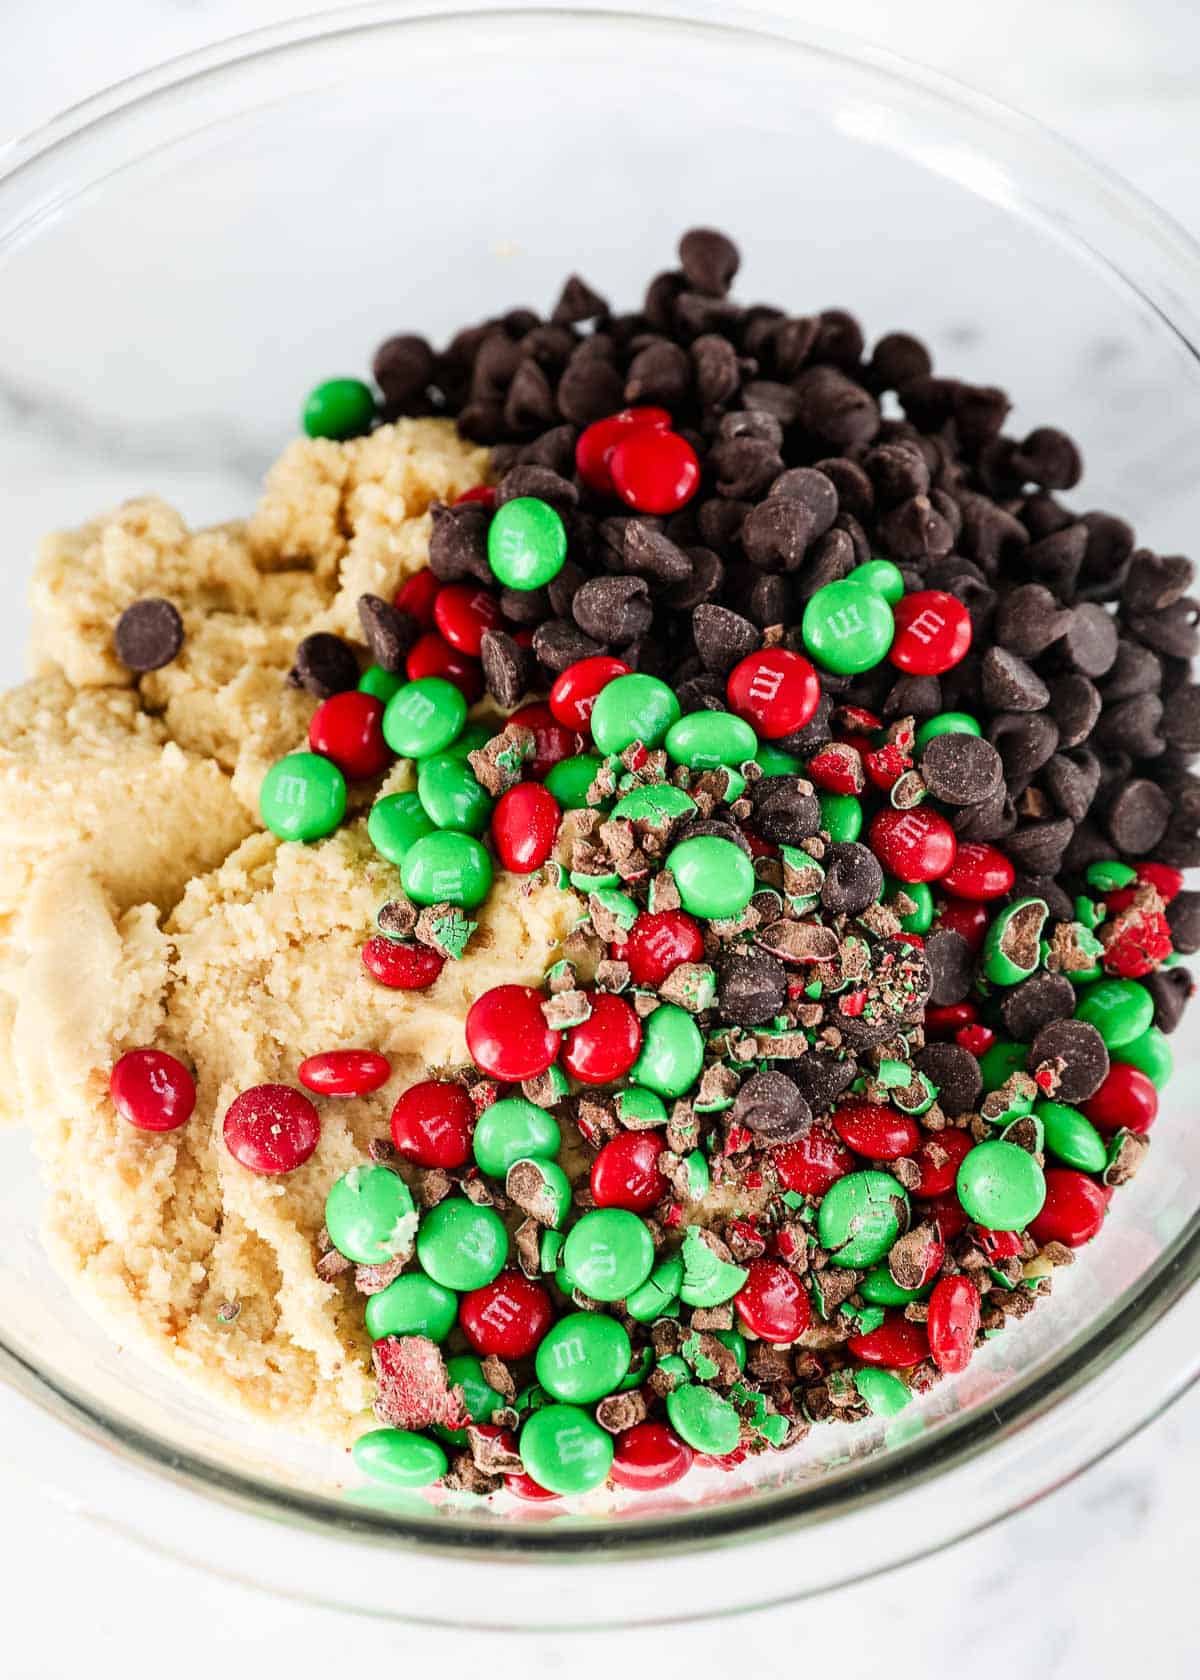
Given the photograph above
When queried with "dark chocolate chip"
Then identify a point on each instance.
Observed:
(855, 492)
(458, 543)
(767, 600)
(590, 388)
(745, 468)
(562, 589)
(506, 667)
(578, 302)
(1072, 781)
(529, 403)
(706, 580)
(526, 606)
(648, 553)
(723, 637)
(853, 878)
(750, 423)
(539, 482)
(615, 610)
(1029, 620)
(1009, 684)
(1137, 818)
(559, 643)
(752, 988)
(979, 412)
(1076, 1051)
(990, 819)
(897, 471)
(915, 530)
(919, 697)
(1056, 559)
(821, 1079)
(961, 769)
(897, 360)
(776, 533)
(1172, 631)
(786, 811)
(1170, 988)
(1035, 1003)
(403, 368)
(1183, 919)
(1090, 640)
(661, 373)
(839, 339)
(1075, 707)
(956, 1074)
(1038, 847)
(770, 1105)
(1050, 458)
(1132, 727)
(951, 966)
(388, 632)
(709, 260)
(149, 634)
(715, 369)
(834, 409)
(1155, 581)
(1181, 721)
(325, 665)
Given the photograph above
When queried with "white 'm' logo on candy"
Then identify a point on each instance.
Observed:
(847, 621)
(569, 1352)
(500, 1312)
(572, 1444)
(909, 831)
(418, 707)
(927, 626)
(766, 684)
(446, 883)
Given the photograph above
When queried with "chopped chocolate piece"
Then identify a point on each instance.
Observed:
(506, 667)
(149, 634)
(500, 764)
(1126, 1155)
(951, 966)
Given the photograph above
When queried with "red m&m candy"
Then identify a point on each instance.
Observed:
(524, 825)
(522, 1486)
(653, 471)
(574, 690)
(152, 1090)
(916, 845)
(348, 728)
(979, 872)
(649, 1456)
(933, 632)
(1126, 1100)
(507, 1317)
(432, 1124)
(625, 1173)
(605, 1046)
(658, 942)
(432, 656)
(944, 1020)
(966, 917)
(405, 968)
(507, 1034)
(938, 1160)
(775, 691)
(484, 494)
(881, 1134)
(814, 1162)
(345, 1073)
(953, 1323)
(464, 612)
(416, 596)
(897, 1343)
(1073, 1211)
(271, 1129)
(773, 1303)
(946, 1213)
(552, 740)
(596, 443)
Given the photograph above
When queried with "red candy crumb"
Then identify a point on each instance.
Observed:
(775, 691)
(152, 1090)
(345, 1073)
(432, 1124)
(773, 1303)
(1135, 943)
(625, 1173)
(348, 728)
(414, 1391)
(507, 1317)
(507, 1034)
(650, 1456)
(603, 1048)
(405, 968)
(524, 826)
(977, 1039)
(933, 632)
(271, 1129)
(654, 471)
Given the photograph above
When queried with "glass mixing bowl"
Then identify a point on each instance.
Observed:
(183, 256)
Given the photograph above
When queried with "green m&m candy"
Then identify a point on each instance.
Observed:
(847, 627)
(339, 409)
(380, 683)
(919, 920)
(541, 1188)
(773, 761)
(703, 1419)
(564, 1449)
(736, 1343)
(881, 575)
(658, 805)
(1012, 948)
(882, 1391)
(511, 1130)
(583, 1357)
(570, 779)
(860, 1218)
(303, 797)
(881, 1289)
(660, 1289)
(640, 1109)
(841, 816)
(609, 1253)
(946, 723)
(704, 740)
(672, 1052)
(424, 717)
(1000, 1061)
(451, 796)
(1120, 1011)
(471, 737)
(412, 1305)
(1151, 1054)
(396, 822)
(446, 867)
(1071, 1136)
(1001, 1186)
(462, 1246)
(715, 878)
(465, 1371)
(633, 708)
(708, 1281)
(526, 543)
(399, 1458)
(370, 1216)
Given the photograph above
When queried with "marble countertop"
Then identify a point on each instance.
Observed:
(1095, 1580)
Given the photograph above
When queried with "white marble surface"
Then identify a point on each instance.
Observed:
(1096, 1580)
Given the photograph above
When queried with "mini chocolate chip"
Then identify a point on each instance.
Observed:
(1056, 559)
(770, 1105)
(897, 471)
(325, 665)
(855, 492)
(590, 388)
(1038, 848)
(744, 468)
(149, 634)
(752, 988)
(1075, 706)
(562, 589)
(839, 339)
(458, 543)
(918, 697)
(956, 1074)
(709, 260)
(991, 819)
(1137, 818)
(1132, 726)
(1078, 1046)
(961, 769)
(558, 643)
(707, 578)
(1009, 684)
(786, 810)
(915, 530)
(776, 533)
(715, 369)
(1050, 458)
(1170, 988)
(1035, 1003)
(1172, 631)
(554, 449)
(578, 302)
(541, 483)
(388, 632)
(833, 409)
(1029, 620)
(723, 637)
(526, 606)
(1181, 721)
(951, 966)
(615, 610)
(853, 878)
(403, 368)
(506, 667)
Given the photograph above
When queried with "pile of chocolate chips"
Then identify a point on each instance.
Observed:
(1080, 664)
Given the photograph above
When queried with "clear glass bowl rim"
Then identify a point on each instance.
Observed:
(1174, 259)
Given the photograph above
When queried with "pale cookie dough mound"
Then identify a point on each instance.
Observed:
(207, 1264)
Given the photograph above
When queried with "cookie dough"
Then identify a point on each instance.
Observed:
(141, 903)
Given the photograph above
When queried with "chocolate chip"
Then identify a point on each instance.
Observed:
(715, 369)
(1183, 919)
(786, 810)
(325, 665)
(915, 530)
(951, 966)
(1050, 458)
(648, 553)
(1029, 619)
(833, 409)
(578, 302)
(1181, 723)
(1090, 640)
(709, 260)
(699, 826)
(149, 634)
(853, 878)
(614, 610)
(961, 769)
(770, 1105)
(1155, 581)
(1172, 631)
(1075, 1051)
(956, 1074)
(991, 819)
(897, 360)
(752, 988)
(506, 667)
(661, 373)
(918, 697)
(458, 543)
(558, 643)
(839, 339)
(1137, 818)
(403, 368)
(1038, 847)
(855, 492)
(821, 1079)
(767, 601)
(590, 388)
(745, 468)
(388, 633)
(540, 482)
(750, 423)
(1071, 781)
(1132, 727)
(1075, 706)
(723, 637)
(1171, 989)
(1035, 1003)
(707, 578)
(776, 533)
(897, 471)
(1009, 684)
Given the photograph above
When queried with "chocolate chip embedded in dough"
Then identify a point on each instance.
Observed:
(149, 634)
(325, 665)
